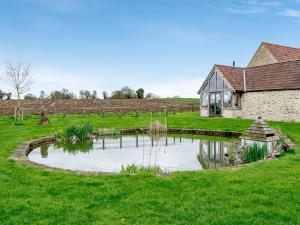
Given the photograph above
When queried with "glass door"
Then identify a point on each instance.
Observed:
(215, 104)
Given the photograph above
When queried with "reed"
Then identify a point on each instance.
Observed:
(255, 152)
(133, 169)
(157, 127)
(81, 132)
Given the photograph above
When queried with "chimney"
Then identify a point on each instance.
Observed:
(233, 63)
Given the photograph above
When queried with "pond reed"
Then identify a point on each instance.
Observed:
(255, 152)
(133, 169)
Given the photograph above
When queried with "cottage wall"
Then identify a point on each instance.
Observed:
(262, 57)
(204, 112)
(272, 105)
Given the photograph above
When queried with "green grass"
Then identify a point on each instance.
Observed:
(255, 152)
(134, 169)
(258, 193)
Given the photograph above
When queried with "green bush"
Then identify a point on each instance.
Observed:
(132, 168)
(255, 152)
(80, 131)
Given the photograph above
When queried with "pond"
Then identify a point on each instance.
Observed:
(109, 154)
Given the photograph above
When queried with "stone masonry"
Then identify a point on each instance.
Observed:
(262, 57)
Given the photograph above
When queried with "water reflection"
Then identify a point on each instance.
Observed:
(108, 154)
(213, 154)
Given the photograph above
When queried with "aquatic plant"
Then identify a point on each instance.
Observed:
(156, 127)
(132, 168)
(80, 132)
(255, 152)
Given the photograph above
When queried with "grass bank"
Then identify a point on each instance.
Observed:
(260, 193)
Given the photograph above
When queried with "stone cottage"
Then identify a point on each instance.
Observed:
(269, 87)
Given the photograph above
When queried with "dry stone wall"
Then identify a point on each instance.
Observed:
(94, 106)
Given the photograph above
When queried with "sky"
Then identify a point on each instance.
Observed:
(164, 46)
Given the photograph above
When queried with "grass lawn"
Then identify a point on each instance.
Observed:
(259, 193)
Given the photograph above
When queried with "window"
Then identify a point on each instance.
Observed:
(219, 82)
(213, 82)
(225, 86)
(204, 102)
(227, 99)
(206, 88)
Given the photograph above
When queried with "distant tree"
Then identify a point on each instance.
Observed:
(117, 95)
(8, 96)
(29, 96)
(63, 94)
(105, 95)
(128, 93)
(86, 94)
(151, 96)
(43, 95)
(140, 93)
(176, 96)
(124, 93)
(2, 94)
(18, 76)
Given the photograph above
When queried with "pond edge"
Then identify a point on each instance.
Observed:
(20, 154)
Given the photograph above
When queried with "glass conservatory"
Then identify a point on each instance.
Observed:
(218, 95)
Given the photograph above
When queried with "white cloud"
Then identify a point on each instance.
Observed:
(291, 13)
(252, 6)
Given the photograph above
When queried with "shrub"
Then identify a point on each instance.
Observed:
(80, 131)
(132, 168)
(255, 152)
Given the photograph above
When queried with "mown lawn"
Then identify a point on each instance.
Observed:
(259, 193)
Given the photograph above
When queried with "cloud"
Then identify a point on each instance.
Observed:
(291, 13)
(252, 6)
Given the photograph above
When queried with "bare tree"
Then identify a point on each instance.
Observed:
(18, 76)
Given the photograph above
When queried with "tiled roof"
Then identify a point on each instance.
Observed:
(276, 76)
(234, 75)
(282, 53)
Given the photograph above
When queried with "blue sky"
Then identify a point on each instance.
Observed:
(165, 46)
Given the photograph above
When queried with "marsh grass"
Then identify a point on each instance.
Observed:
(80, 131)
(134, 169)
(156, 127)
(255, 152)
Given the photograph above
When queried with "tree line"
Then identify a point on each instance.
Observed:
(18, 76)
(123, 93)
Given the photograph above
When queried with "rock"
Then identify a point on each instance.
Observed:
(73, 139)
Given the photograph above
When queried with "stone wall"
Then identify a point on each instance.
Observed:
(272, 105)
(204, 112)
(94, 106)
(262, 57)
(232, 113)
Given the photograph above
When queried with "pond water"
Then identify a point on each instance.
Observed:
(109, 154)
